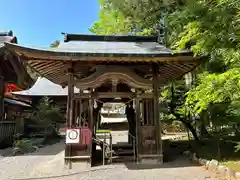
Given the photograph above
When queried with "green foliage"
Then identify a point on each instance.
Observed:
(110, 21)
(210, 29)
(23, 146)
(117, 17)
(55, 44)
(47, 112)
(237, 147)
(215, 24)
(215, 88)
(48, 115)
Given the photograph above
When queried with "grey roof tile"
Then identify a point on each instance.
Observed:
(113, 44)
(106, 47)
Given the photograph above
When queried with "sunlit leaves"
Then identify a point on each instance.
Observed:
(207, 27)
(216, 25)
(110, 21)
(55, 44)
(215, 88)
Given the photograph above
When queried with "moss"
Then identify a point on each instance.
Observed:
(103, 131)
(234, 165)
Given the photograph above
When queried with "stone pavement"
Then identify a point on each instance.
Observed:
(47, 164)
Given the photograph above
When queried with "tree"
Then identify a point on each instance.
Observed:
(47, 115)
(207, 27)
(110, 21)
(55, 44)
(113, 21)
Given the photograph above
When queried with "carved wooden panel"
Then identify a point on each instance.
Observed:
(147, 137)
(113, 73)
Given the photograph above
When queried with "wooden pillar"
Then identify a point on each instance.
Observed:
(71, 94)
(137, 108)
(75, 112)
(69, 117)
(157, 121)
(90, 111)
(90, 123)
(80, 111)
(2, 89)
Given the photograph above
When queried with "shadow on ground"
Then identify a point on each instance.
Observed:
(209, 148)
(52, 148)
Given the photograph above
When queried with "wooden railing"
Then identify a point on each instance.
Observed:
(7, 131)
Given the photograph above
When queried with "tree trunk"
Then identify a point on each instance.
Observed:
(203, 130)
(162, 131)
(191, 128)
(188, 125)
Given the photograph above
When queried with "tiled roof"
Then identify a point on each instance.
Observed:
(7, 37)
(52, 63)
(114, 45)
(106, 46)
(44, 87)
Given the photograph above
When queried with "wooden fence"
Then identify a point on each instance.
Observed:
(7, 131)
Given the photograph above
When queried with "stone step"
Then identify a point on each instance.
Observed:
(122, 146)
(118, 159)
(125, 152)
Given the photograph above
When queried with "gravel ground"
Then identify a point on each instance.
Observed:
(47, 164)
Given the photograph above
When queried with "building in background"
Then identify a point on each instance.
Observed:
(12, 75)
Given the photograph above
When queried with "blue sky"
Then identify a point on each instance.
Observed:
(40, 22)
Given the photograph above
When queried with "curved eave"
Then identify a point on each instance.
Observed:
(1, 49)
(53, 63)
(24, 79)
(65, 55)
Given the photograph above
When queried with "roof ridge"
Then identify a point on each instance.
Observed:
(114, 38)
(9, 33)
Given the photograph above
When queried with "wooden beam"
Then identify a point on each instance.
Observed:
(90, 122)
(90, 110)
(80, 108)
(137, 101)
(69, 119)
(156, 112)
(114, 73)
(71, 94)
(105, 95)
(2, 89)
(69, 56)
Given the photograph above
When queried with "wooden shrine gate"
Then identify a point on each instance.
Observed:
(81, 107)
(127, 67)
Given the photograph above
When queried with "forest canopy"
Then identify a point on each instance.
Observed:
(209, 28)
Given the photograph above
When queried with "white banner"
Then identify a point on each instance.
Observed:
(72, 136)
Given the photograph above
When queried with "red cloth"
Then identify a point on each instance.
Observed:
(85, 136)
(12, 87)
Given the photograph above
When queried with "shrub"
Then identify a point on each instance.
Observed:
(23, 146)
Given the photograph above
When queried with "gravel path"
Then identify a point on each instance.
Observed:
(47, 164)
